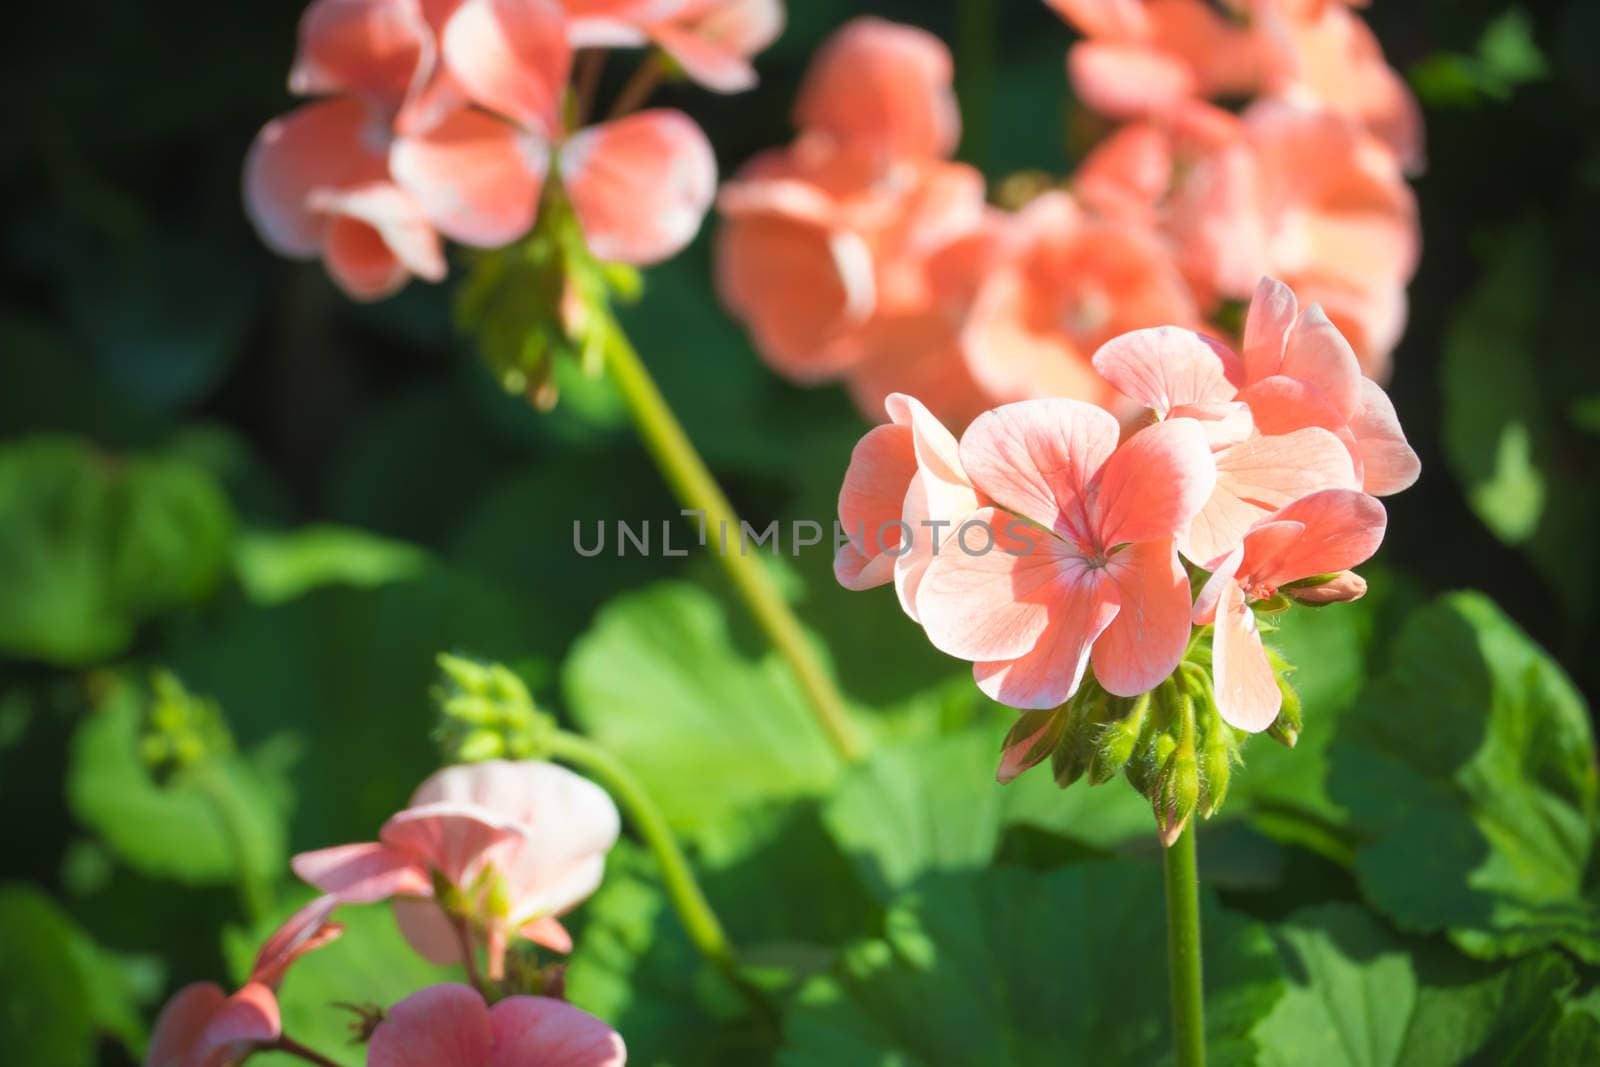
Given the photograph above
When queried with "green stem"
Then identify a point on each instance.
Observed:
(1183, 951)
(694, 486)
(704, 928)
(255, 891)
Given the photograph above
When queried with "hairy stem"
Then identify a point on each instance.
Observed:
(1183, 951)
(289, 1046)
(693, 484)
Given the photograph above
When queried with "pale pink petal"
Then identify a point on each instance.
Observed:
(1128, 174)
(305, 930)
(1050, 672)
(714, 40)
(441, 1026)
(360, 261)
(885, 85)
(1388, 462)
(1128, 80)
(548, 932)
(1343, 528)
(326, 145)
(1143, 645)
(1154, 484)
(1036, 458)
(181, 1022)
(1247, 693)
(1223, 424)
(475, 177)
(704, 60)
(939, 499)
(1259, 476)
(362, 874)
(396, 218)
(512, 57)
(250, 1017)
(551, 1033)
(1163, 367)
(454, 839)
(641, 185)
(1317, 352)
(368, 48)
(428, 930)
(1272, 314)
(871, 500)
(992, 602)
(1223, 574)
(1280, 404)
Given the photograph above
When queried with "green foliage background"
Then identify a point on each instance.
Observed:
(212, 463)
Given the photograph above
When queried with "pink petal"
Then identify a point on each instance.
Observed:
(1247, 693)
(1280, 404)
(362, 874)
(453, 839)
(994, 604)
(512, 57)
(396, 218)
(939, 493)
(1317, 352)
(1154, 484)
(713, 41)
(548, 932)
(181, 1022)
(360, 261)
(704, 60)
(1388, 462)
(1342, 528)
(1128, 80)
(305, 930)
(441, 1026)
(884, 85)
(551, 1033)
(326, 145)
(428, 930)
(1272, 314)
(1259, 476)
(1223, 424)
(641, 185)
(882, 466)
(1036, 458)
(1143, 645)
(248, 1018)
(1050, 672)
(1116, 19)
(1224, 572)
(475, 177)
(1164, 367)
(369, 48)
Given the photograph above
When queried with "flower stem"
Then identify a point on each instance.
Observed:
(1183, 951)
(637, 89)
(704, 928)
(288, 1045)
(695, 487)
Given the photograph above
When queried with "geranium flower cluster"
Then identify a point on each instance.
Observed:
(861, 253)
(484, 855)
(454, 119)
(1048, 544)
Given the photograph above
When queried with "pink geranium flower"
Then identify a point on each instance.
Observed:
(201, 1026)
(1082, 562)
(1322, 534)
(712, 40)
(451, 1026)
(519, 843)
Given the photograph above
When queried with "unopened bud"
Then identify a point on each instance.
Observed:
(1285, 729)
(1033, 737)
(1326, 589)
(1216, 763)
(480, 745)
(1117, 741)
(1176, 794)
(1076, 748)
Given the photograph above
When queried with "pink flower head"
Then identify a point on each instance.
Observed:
(1076, 557)
(1324, 533)
(520, 843)
(1068, 283)
(1177, 373)
(712, 40)
(904, 490)
(201, 1026)
(885, 86)
(451, 1026)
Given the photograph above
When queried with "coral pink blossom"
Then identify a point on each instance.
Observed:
(712, 40)
(1324, 533)
(521, 843)
(451, 1026)
(1180, 374)
(1069, 283)
(904, 490)
(1082, 562)
(883, 85)
(201, 1026)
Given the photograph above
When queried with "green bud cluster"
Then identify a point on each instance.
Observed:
(180, 730)
(487, 712)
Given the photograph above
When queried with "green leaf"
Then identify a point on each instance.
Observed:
(219, 821)
(278, 566)
(370, 964)
(1469, 772)
(59, 990)
(1361, 997)
(657, 682)
(91, 545)
(934, 805)
(1011, 968)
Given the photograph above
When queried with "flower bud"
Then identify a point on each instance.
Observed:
(1177, 791)
(1216, 763)
(1076, 748)
(1033, 737)
(1328, 589)
(1116, 743)
(1285, 729)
